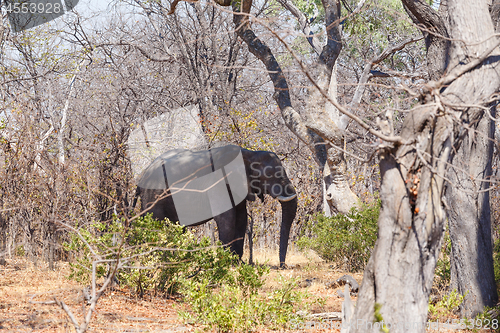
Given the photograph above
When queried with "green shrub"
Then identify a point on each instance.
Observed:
(446, 306)
(442, 273)
(237, 306)
(496, 261)
(20, 252)
(345, 239)
(163, 257)
(161, 254)
(486, 320)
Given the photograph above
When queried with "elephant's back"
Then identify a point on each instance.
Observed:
(180, 165)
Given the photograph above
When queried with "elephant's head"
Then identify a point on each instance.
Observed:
(266, 175)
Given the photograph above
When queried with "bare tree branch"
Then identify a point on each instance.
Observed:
(304, 25)
(151, 57)
(365, 77)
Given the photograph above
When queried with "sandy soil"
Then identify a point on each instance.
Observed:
(26, 289)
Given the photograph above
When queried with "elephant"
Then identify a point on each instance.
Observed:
(192, 187)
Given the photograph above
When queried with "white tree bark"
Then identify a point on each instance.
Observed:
(64, 117)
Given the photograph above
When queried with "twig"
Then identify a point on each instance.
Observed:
(140, 49)
(69, 313)
(365, 77)
(336, 316)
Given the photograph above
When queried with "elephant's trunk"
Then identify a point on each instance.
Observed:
(288, 211)
(286, 191)
(284, 199)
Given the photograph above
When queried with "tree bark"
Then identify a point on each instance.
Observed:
(317, 129)
(469, 215)
(469, 221)
(400, 272)
(433, 26)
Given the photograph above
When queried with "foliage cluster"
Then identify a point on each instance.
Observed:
(496, 261)
(442, 273)
(238, 306)
(161, 257)
(447, 306)
(158, 255)
(344, 239)
(487, 319)
(379, 318)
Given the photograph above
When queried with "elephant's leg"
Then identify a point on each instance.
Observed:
(240, 228)
(226, 226)
(232, 227)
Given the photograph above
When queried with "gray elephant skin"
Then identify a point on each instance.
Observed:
(192, 187)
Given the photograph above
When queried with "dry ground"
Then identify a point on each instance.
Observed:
(24, 287)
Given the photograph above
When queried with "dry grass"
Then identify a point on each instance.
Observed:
(119, 310)
(293, 258)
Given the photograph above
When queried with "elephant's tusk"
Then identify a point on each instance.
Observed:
(285, 199)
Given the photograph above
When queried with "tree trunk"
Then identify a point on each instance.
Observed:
(317, 128)
(400, 272)
(469, 215)
(469, 221)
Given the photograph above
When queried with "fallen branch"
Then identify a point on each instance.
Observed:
(336, 316)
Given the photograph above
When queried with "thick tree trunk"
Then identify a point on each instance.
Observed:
(337, 196)
(464, 219)
(400, 272)
(317, 129)
(469, 216)
(469, 221)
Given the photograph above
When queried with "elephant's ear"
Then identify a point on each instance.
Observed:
(251, 197)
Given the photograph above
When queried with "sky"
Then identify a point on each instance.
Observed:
(99, 8)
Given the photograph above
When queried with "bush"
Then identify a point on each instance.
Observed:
(237, 306)
(442, 273)
(345, 239)
(161, 255)
(447, 306)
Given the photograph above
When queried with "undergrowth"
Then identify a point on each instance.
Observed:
(442, 273)
(344, 239)
(238, 306)
(159, 256)
(447, 306)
